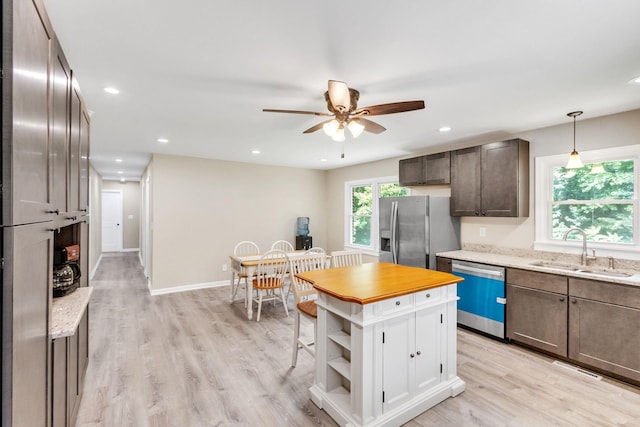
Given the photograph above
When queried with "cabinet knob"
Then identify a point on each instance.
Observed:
(57, 212)
(428, 295)
(397, 302)
(418, 352)
(484, 213)
(561, 298)
(412, 355)
(573, 301)
(477, 213)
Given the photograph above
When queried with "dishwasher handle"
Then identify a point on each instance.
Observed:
(483, 271)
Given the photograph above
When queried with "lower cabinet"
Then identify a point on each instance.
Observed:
(69, 362)
(604, 320)
(537, 310)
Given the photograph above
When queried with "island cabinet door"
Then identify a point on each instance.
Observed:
(398, 369)
(411, 355)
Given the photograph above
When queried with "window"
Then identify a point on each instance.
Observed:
(361, 224)
(599, 198)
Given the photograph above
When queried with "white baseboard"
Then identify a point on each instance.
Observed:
(186, 288)
(95, 268)
(131, 250)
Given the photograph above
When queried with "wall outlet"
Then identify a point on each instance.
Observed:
(483, 231)
(224, 267)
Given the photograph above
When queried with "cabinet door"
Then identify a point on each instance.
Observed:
(61, 84)
(537, 318)
(397, 371)
(428, 332)
(26, 281)
(499, 179)
(59, 386)
(74, 150)
(444, 264)
(26, 143)
(605, 336)
(83, 349)
(412, 171)
(83, 185)
(438, 168)
(465, 182)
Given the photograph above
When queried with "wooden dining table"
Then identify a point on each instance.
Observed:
(248, 264)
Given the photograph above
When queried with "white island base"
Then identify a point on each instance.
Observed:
(386, 362)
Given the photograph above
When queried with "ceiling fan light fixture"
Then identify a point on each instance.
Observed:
(355, 127)
(331, 127)
(574, 158)
(338, 136)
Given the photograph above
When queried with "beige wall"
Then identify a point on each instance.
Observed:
(95, 221)
(130, 211)
(202, 208)
(601, 132)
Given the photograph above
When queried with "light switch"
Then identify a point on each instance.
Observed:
(483, 231)
(130, 216)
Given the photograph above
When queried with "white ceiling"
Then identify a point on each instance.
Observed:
(199, 72)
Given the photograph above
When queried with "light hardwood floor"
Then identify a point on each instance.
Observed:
(193, 359)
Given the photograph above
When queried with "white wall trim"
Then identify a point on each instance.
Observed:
(95, 268)
(186, 288)
(131, 250)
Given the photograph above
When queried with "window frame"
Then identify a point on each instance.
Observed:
(375, 183)
(544, 200)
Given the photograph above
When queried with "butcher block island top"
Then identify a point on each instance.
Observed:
(368, 283)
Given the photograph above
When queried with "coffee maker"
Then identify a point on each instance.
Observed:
(66, 271)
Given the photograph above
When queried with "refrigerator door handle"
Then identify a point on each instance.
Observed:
(394, 232)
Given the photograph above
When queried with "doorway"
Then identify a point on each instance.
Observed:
(111, 220)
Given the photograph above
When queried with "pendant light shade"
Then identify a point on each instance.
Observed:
(339, 134)
(574, 158)
(355, 127)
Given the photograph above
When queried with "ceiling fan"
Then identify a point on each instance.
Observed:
(342, 102)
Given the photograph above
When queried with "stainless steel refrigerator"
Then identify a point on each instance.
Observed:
(414, 228)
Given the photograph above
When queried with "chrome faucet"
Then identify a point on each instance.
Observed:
(584, 257)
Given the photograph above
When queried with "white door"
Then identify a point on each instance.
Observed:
(111, 220)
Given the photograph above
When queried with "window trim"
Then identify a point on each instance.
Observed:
(544, 198)
(374, 248)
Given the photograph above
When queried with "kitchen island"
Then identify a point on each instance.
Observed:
(385, 342)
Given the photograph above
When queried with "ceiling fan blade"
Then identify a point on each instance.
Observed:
(271, 110)
(339, 95)
(316, 127)
(394, 107)
(370, 126)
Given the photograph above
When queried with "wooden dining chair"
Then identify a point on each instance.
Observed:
(243, 248)
(346, 258)
(282, 245)
(269, 279)
(305, 300)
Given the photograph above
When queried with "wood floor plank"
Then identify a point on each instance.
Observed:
(193, 359)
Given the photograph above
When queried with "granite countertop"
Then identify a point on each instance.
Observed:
(527, 263)
(67, 311)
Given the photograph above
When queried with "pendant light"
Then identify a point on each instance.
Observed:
(574, 159)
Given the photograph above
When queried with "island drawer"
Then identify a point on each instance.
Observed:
(428, 296)
(392, 305)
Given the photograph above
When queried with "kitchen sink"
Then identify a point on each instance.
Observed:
(554, 266)
(606, 273)
(580, 269)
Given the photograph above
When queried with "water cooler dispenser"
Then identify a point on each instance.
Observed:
(303, 240)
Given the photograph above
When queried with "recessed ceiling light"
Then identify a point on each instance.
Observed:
(444, 129)
(120, 172)
(163, 140)
(119, 160)
(255, 152)
(111, 90)
(323, 160)
(635, 81)
(122, 179)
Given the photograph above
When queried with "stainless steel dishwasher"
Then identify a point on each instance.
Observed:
(482, 297)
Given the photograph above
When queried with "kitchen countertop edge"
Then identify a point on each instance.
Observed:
(67, 311)
(525, 263)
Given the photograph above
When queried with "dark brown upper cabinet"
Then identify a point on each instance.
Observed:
(491, 180)
(432, 169)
